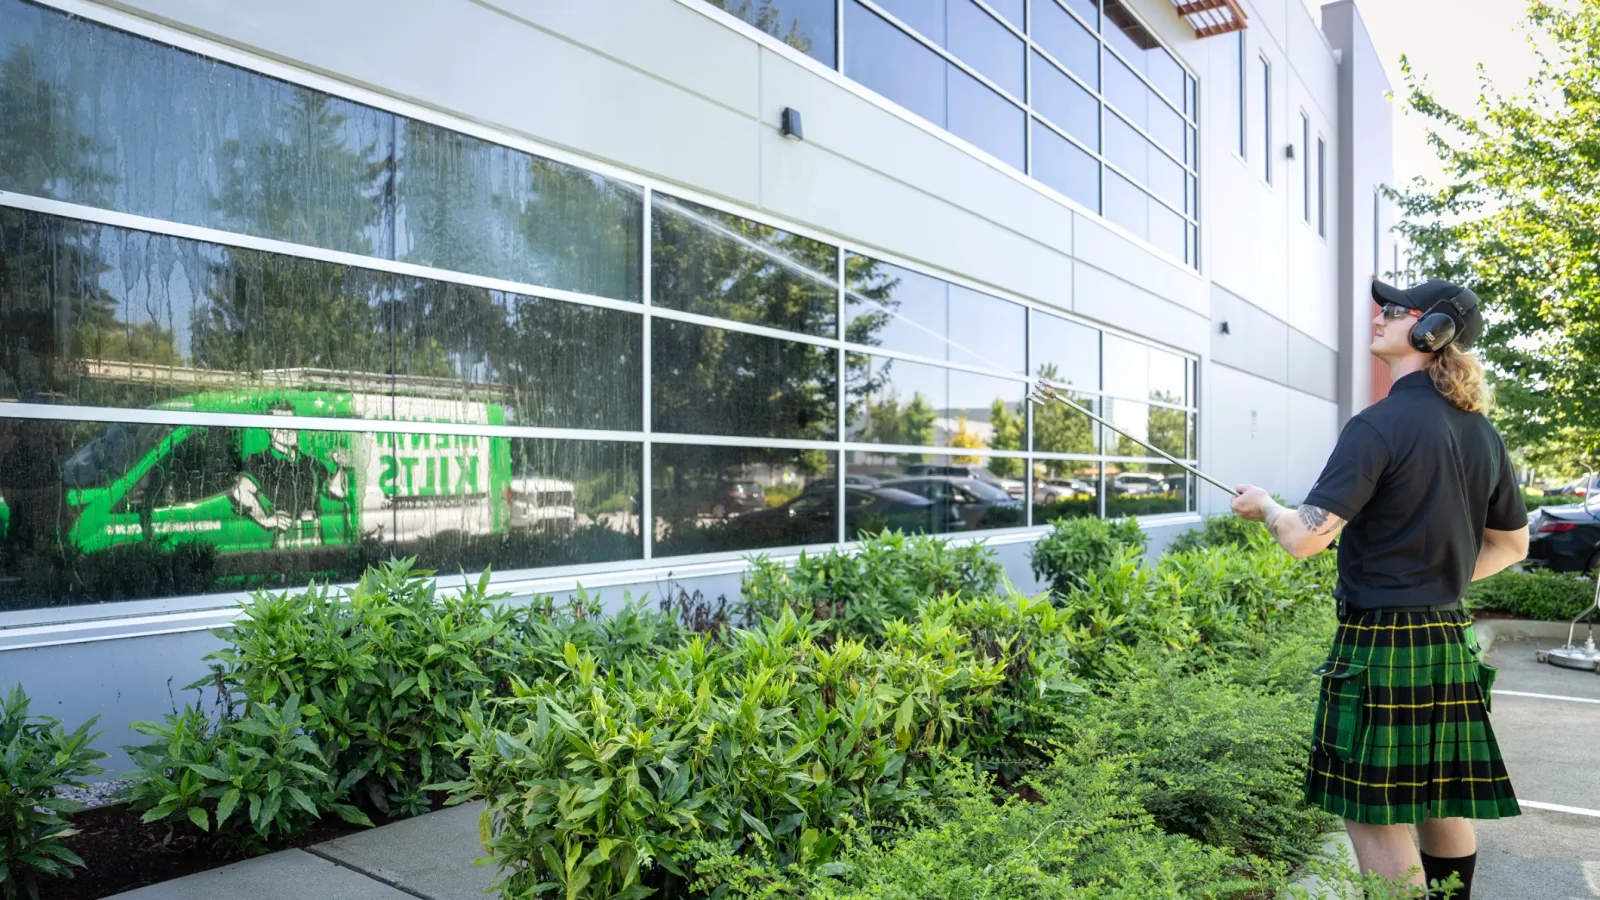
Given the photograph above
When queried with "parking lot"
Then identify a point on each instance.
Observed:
(1552, 750)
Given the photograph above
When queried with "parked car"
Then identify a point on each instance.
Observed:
(1136, 483)
(1583, 487)
(975, 503)
(1015, 487)
(1056, 490)
(828, 485)
(865, 507)
(724, 498)
(1565, 538)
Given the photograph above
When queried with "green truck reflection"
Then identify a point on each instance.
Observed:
(297, 487)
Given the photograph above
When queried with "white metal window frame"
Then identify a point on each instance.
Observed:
(835, 74)
(120, 619)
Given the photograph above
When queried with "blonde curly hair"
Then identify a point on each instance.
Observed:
(1459, 377)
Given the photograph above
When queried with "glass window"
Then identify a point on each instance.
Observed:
(1065, 352)
(897, 401)
(988, 120)
(1147, 489)
(1011, 9)
(1242, 82)
(1266, 120)
(106, 316)
(899, 309)
(1058, 428)
(1064, 38)
(103, 118)
(1089, 10)
(1126, 367)
(708, 499)
(1140, 48)
(1305, 167)
(1167, 371)
(716, 381)
(547, 363)
(1144, 108)
(1126, 204)
(924, 493)
(1159, 426)
(926, 17)
(979, 40)
(103, 512)
(716, 264)
(1065, 489)
(1168, 230)
(891, 62)
(1069, 169)
(477, 207)
(1322, 187)
(806, 25)
(1065, 103)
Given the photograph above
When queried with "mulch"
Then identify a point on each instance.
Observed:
(122, 854)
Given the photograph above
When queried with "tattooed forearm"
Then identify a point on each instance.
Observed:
(1319, 521)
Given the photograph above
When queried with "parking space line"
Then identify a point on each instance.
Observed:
(1556, 807)
(1503, 693)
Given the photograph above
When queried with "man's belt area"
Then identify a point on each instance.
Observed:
(1452, 606)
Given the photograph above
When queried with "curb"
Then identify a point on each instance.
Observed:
(1491, 630)
(1336, 846)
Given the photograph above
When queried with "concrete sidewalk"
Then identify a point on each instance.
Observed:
(429, 857)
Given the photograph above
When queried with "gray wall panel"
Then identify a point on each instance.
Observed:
(1313, 367)
(1256, 342)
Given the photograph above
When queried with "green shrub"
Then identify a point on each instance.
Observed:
(37, 756)
(1227, 594)
(384, 669)
(600, 784)
(1536, 594)
(1533, 503)
(1075, 548)
(886, 578)
(1226, 530)
(247, 778)
(1084, 835)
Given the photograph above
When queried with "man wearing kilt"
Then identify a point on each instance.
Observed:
(1421, 493)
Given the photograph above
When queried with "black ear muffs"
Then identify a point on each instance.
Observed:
(1437, 328)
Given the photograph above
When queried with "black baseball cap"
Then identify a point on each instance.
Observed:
(1438, 295)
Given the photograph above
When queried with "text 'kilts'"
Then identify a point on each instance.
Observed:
(1402, 728)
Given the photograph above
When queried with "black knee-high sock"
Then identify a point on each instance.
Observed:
(1438, 868)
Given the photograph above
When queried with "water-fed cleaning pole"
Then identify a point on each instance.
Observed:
(1042, 392)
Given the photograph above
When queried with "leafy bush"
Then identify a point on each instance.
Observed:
(600, 785)
(384, 670)
(1533, 503)
(37, 756)
(1075, 548)
(1084, 835)
(1536, 594)
(249, 778)
(1224, 531)
(886, 578)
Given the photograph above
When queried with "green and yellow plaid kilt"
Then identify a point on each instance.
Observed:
(1402, 728)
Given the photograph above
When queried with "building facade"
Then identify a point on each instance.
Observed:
(617, 293)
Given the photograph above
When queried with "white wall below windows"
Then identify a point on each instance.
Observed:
(1264, 433)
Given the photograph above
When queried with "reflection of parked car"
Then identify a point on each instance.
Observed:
(543, 504)
(1135, 483)
(721, 498)
(1583, 487)
(1012, 486)
(828, 485)
(975, 503)
(865, 507)
(1057, 490)
(1565, 538)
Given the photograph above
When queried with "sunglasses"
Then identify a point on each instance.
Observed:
(1392, 311)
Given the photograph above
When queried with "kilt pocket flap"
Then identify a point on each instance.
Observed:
(1340, 718)
(1486, 677)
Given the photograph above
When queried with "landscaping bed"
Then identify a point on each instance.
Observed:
(894, 722)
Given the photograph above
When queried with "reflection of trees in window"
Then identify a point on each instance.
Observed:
(805, 25)
(962, 436)
(1009, 428)
(715, 264)
(1167, 426)
(716, 381)
(1058, 428)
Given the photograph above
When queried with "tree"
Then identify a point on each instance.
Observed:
(1517, 220)
(1008, 434)
(1058, 428)
(964, 438)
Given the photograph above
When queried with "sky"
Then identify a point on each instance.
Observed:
(1445, 40)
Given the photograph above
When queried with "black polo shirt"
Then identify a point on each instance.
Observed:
(1418, 481)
